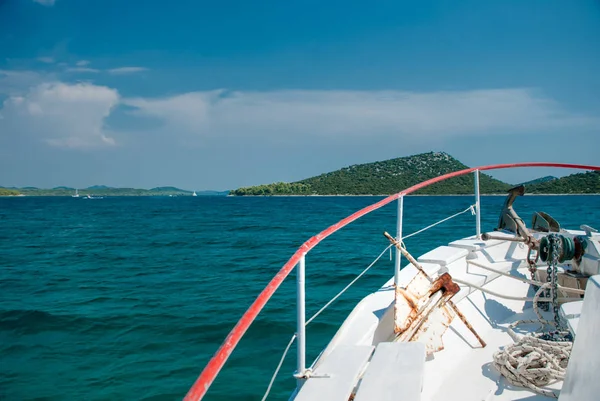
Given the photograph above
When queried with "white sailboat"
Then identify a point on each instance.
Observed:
(76, 194)
(494, 316)
(194, 194)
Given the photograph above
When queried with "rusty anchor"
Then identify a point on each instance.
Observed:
(423, 310)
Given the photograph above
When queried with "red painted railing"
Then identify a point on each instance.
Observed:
(208, 375)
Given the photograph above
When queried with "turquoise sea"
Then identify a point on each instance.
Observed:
(128, 298)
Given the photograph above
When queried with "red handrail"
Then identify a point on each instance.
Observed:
(208, 375)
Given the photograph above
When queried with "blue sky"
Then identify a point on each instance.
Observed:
(216, 95)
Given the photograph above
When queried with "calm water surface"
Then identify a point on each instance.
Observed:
(128, 298)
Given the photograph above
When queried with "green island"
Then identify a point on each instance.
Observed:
(392, 176)
(580, 183)
(102, 190)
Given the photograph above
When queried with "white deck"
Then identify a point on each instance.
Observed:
(395, 372)
(335, 378)
(462, 370)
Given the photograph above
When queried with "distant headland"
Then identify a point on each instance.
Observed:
(392, 176)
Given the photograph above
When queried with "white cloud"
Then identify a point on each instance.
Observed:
(19, 81)
(47, 60)
(60, 114)
(47, 3)
(188, 112)
(412, 115)
(126, 70)
(82, 69)
(73, 115)
(82, 63)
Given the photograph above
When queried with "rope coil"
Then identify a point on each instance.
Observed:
(535, 360)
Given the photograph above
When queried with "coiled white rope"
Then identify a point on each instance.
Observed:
(533, 362)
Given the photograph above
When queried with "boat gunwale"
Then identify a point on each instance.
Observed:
(216, 363)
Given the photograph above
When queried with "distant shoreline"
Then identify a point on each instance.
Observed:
(337, 196)
(278, 196)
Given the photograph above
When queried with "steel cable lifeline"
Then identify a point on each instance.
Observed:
(212, 369)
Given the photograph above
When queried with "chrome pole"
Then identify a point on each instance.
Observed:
(301, 318)
(399, 238)
(477, 205)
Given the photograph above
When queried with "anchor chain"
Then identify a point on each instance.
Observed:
(555, 249)
(549, 269)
